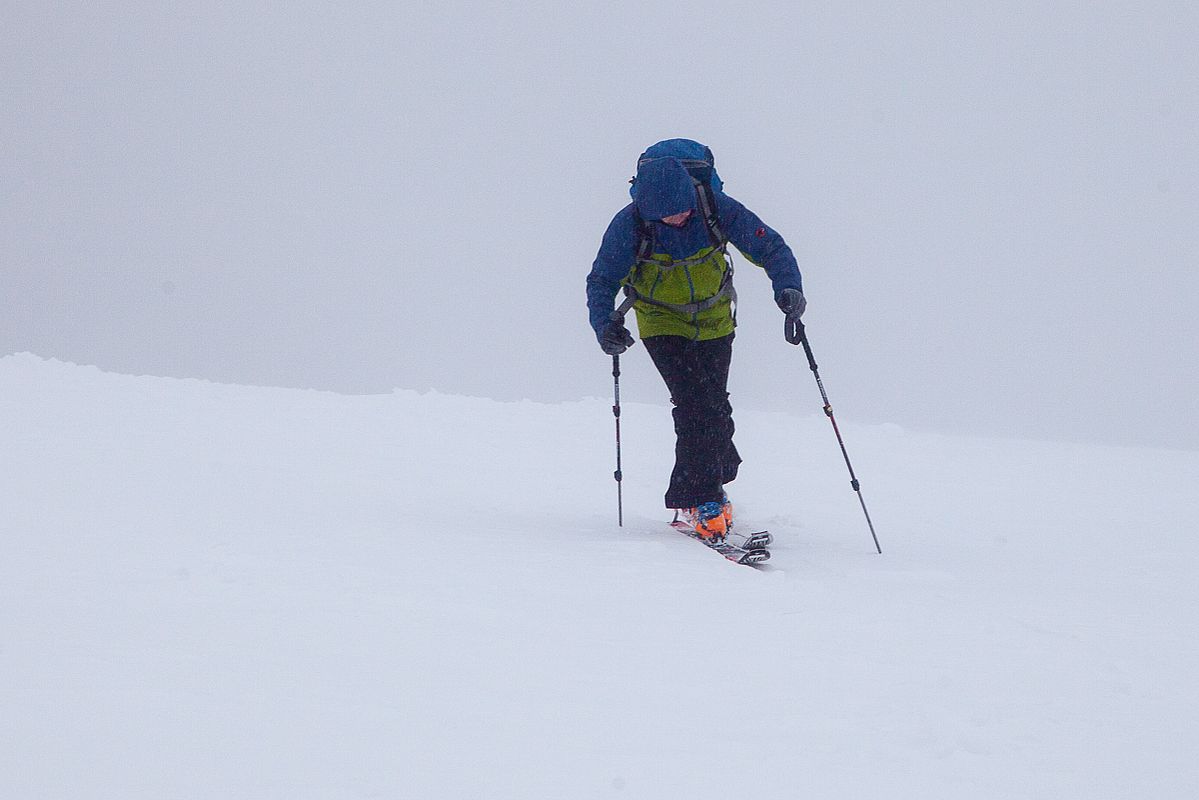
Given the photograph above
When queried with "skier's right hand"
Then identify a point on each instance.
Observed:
(615, 338)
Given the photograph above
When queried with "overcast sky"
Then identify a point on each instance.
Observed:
(994, 206)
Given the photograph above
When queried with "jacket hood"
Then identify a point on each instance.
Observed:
(663, 188)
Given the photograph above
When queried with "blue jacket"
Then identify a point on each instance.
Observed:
(758, 242)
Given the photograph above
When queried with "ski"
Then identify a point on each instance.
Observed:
(752, 553)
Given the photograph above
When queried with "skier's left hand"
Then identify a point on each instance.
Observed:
(792, 303)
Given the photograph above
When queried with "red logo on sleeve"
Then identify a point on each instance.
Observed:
(760, 233)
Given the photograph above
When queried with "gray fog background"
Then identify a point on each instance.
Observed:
(994, 205)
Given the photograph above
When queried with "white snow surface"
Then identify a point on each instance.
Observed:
(218, 591)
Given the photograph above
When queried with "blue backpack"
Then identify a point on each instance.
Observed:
(696, 157)
(701, 166)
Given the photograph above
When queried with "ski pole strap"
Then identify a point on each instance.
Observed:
(619, 312)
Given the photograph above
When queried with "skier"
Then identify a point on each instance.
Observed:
(668, 250)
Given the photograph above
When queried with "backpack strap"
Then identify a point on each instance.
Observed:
(707, 207)
(632, 295)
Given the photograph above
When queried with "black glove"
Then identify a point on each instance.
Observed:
(792, 303)
(615, 338)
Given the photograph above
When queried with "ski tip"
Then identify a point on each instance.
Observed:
(760, 539)
(755, 557)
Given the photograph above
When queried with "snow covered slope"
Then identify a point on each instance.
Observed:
(212, 591)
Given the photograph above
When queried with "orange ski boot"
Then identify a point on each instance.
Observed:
(707, 520)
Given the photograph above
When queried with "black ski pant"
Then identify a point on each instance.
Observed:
(697, 375)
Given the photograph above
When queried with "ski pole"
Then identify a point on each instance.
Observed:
(616, 413)
(828, 412)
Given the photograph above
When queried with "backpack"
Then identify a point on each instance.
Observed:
(697, 159)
